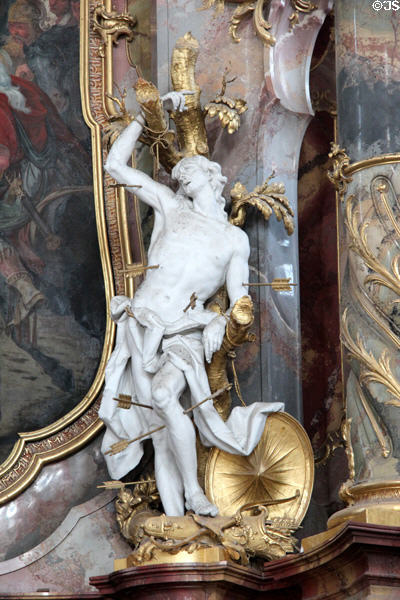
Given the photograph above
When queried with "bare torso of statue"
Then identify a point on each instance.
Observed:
(194, 251)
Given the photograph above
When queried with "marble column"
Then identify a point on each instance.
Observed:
(368, 183)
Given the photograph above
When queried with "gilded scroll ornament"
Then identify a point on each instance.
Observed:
(373, 370)
(300, 6)
(337, 175)
(340, 438)
(257, 9)
(379, 274)
(112, 25)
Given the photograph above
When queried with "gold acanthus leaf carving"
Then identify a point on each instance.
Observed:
(268, 198)
(359, 244)
(112, 25)
(245, 8)
(372, 370)
(257, 8)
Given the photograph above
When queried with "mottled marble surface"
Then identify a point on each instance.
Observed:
(85, 544)
(321, 370)
(30, 518)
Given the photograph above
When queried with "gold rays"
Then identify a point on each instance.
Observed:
(280, 465)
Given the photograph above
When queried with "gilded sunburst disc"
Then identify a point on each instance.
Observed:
(281, 463)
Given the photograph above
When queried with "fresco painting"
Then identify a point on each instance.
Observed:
(52, 304)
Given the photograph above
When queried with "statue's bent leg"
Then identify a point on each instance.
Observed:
(168, 384)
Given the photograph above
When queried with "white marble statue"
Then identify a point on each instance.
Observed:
(160, 348)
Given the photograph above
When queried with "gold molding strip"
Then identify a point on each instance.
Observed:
(113, 25)
(383, 159)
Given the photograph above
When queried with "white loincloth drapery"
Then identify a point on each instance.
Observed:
(125, 374)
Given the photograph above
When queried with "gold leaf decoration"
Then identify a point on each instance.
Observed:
(238, 15)
(372, 370)
(219, 5)
(268, 198)
(359, 244)
(227, 110)
(300, 6)
(337, 175)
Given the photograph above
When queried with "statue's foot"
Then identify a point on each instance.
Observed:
(199, 504)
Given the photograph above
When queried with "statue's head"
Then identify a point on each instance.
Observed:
(185, 167)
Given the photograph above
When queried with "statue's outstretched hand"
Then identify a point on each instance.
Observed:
(175, 100)
(213, 334)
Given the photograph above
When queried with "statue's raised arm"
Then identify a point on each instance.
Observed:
(146, 189)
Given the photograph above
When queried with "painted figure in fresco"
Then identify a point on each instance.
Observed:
(24, 27)
(63, 12)
(161, 345)
(48, 57)
(53, 60)
(32, 139)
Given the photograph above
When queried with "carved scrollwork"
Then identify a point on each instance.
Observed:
(257, 8)
(373, 370)
(337, 175)
(246, 8)
(379, 274)
(300, 6)
(112, 25)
